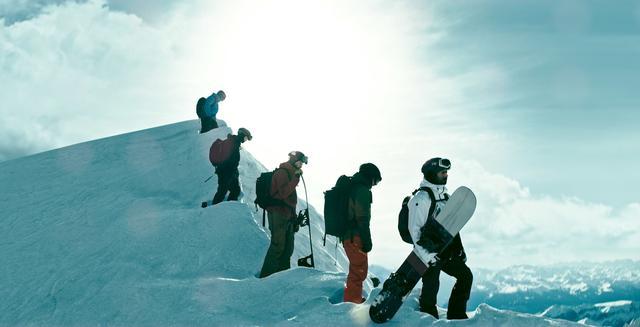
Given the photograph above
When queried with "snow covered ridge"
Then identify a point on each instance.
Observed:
(110, 232)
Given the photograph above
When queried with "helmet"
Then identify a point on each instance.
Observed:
(298, 156)
(221, 95)
(432, 167)
(371, 172)
(245, 132)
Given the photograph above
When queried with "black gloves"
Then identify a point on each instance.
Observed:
(365, 237)
(462, 256)
(366, 247)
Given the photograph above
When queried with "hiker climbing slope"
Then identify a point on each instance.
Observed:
(207, 109)
(225, 157)
(453, 259)
(357, 238)
(282, 217)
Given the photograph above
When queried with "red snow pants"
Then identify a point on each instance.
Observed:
(358, 266)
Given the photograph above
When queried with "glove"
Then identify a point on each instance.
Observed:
(298, 172)
(366, 247)
(301, 219)
(294, 224)
(462, 256)
(436, 262)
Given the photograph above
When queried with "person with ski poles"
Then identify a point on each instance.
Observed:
(283, 222)
(453, 259)
(207, 109)
(357, 239)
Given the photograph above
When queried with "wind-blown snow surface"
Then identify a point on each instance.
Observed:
(110, 232)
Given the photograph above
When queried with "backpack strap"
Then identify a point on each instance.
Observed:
(429, 191)
(432, 207)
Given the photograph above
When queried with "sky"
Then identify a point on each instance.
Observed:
(535, 103)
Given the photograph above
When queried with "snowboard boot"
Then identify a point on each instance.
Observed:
(430, 309)
(457, 315)
(457, 310)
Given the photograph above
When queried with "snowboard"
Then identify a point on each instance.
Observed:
(442, 229)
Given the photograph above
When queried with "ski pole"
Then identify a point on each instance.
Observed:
(206, 180)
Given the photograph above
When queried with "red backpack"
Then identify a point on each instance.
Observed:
(220, 151)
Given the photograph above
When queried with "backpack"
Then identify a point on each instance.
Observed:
(220, 151)
(336, 208)
(403, 216)
(263, 193)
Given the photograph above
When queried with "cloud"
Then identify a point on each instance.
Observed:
(13, 11)
(79, 71)
(513, 226)
(17, 141)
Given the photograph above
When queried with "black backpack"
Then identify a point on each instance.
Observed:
(263, 193)
(403, 217)
(336, 208)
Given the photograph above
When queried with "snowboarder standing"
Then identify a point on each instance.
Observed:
(227, 171)
(282, 218)
(453, 259)
(207, 109)
(357, 239)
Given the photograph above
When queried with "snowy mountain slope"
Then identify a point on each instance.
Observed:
(110, 232)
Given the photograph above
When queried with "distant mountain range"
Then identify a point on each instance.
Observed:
(605, 293)
(534, 289)
(617, 313)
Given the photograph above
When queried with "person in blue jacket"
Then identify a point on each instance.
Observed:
(207, 109)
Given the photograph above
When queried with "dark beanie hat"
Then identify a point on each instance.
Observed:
(371, 172)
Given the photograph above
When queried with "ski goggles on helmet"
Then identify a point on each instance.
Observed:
(444, 163)
(299, 156)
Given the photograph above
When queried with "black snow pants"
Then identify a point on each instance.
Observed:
(227, 182)
(459, 295)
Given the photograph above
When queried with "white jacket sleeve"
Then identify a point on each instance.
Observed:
(418, 212)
